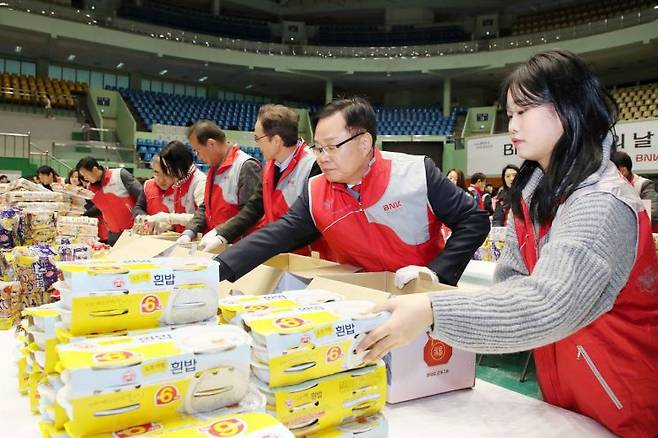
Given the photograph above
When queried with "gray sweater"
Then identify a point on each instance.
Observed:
(584, 263)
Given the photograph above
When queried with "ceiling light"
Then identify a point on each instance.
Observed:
(18, 49)
(163, 72)
(203, 79)
(119, 65)
(71, 57)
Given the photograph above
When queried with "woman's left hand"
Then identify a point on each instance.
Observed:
(410, 315)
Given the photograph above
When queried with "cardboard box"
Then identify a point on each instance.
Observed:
(424, 367)
(295, 345)
(244, 425)
(308, 267)
(330, 401)
(282, 273)
(129, 245)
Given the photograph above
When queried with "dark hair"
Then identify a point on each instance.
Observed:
(176, 159)
(204, 130)
(478, 176)
(68, 177)
(88, 163)
(587, 113)
(279, 120)
(461, 179)
(502, 174)
(46, 170)
(358, 114)
(622, 159)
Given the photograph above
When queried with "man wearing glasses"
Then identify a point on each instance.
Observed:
(232, 179)
(381, 211)
(288, 167)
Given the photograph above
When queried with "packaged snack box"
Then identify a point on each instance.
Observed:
(309, 342)
(329, 401)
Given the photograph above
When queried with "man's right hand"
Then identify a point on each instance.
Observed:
(186, 237)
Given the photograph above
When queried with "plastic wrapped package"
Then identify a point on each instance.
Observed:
(232, 308)
(70, 252)
(328, 402)
(72, 190)
(7, 265)
(244, 425)
(36, 271)
(12, 229)
(295, 345)
(36, 196)
(24, 184)
(10, 303)
(116, 382)
(40, 226)
(370, 426)
(143, 226)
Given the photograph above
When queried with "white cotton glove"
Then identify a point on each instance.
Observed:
(160, 221)
(211, 241)
(408, 273)
(186, 237)
(159, 217)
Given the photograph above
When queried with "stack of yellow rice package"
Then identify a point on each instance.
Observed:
(133, 348)
(304, 361)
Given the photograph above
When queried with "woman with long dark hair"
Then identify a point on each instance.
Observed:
(456, 177)
(501, 211)
(578, 279)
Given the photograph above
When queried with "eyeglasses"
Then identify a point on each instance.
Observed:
(331, 149)
(258, 138)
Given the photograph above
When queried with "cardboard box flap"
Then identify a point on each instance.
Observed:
(125, 238)
(385, 282)
(309, 266)
(139, 247)
(261, 280)
(184, 251)
(349, 291)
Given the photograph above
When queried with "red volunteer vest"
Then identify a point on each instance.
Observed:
(184, 201)
(607, 370)
(158, 200)
(103, 233)
(479, 196)
(390, 227)
(278, 200)
(222, 184)
(114, 201)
